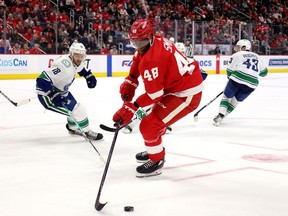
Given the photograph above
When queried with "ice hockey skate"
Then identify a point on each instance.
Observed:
(218, 119)
(91, 135)
(142, 157)
(150, 168)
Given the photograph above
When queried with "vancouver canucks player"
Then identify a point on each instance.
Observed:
(52, 87)
(243, 71)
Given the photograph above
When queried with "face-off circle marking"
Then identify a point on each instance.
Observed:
(266, 158)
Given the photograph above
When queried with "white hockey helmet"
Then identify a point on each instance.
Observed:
(172, 39)
(180, 46)
(241, 43)
(77, 53)
(77, 48)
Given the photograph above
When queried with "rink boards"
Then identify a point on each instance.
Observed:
(29, 66)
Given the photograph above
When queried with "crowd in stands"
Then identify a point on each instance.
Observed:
(42, 26)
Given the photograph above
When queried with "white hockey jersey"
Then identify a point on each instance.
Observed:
(61, 74)
(245, 67)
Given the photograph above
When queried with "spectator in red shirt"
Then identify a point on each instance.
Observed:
(106, 50)
(63, 17)
(52, 15)
(38, 28)
(35, 49)
(29, 34)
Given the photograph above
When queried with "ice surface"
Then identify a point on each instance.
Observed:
(237, 169)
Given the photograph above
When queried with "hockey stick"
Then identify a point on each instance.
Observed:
(196, 114)
(107, 128)
(99, 206)
(113, 129)
(83, 133)
(18, 103)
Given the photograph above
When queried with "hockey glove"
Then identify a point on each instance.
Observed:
(203, 74)
(57, 98)
(125, 114)
(128, 87)
(90, 78)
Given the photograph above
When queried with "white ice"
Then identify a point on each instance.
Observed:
(237, 169)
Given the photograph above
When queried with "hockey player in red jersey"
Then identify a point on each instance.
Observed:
(173, 85)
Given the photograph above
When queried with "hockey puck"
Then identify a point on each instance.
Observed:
(128, 208)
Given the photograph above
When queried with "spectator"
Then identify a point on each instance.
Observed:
(43, 42)
(114, 50)
(29, 34)
(35, 49)
(35, 39)
(26, 49)
(29, 23)
(92, 47)
(90, 14)
(16, 49)
(4, 50)
(106, 49)
(120, 14)
(84, 40)
(64, 48)
(217, 50)
(50, 49)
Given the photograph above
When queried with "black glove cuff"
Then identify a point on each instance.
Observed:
(88, 76)
(136, 104)
(133, 76)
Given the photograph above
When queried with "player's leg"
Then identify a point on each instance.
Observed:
(153, 127)
(228, 93)
(77, 110)
(242, 93)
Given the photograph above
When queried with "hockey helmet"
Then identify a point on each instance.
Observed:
(77, 53)
(180, 46)
(172, 39)
(140, 33)
(241, 43)
(77, 48)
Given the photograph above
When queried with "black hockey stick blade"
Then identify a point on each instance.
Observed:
(106, 128)
(113, 129)
(99, 206)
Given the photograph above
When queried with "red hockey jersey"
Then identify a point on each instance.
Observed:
(165, 70)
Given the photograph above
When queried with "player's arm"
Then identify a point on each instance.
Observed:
(128, 87)
(45, 86)
(231, 66)
(263, 70)
(45, 81)
(152, 82)
(90, 78)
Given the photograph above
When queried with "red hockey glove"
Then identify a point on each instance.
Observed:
(128, 87)
(125, 113)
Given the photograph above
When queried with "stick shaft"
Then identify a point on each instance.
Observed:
(196, 114)
(99, 206)
(83, 133)
(18, 103)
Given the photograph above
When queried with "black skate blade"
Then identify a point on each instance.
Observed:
(144, 175)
